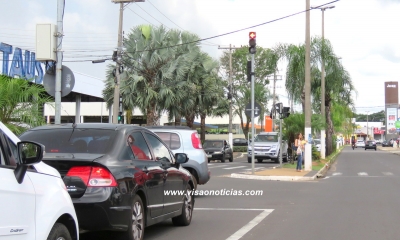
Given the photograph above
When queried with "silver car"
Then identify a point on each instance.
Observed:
(266, 146)
(182, 139)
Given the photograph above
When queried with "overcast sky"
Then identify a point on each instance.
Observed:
(364, 33)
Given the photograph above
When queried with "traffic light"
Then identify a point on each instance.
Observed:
(252, 42)
(120, 117)
(285, 112)
(278, 108)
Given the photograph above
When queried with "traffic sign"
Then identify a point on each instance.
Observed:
(257, 109)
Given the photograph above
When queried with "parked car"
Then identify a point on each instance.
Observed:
(182, 139)
(117, 175)
(386, 144)
(240, 142)
(360, 143)
(218, 150)
(266, 146)
(370, 145)
(34, 201)
(317, 144)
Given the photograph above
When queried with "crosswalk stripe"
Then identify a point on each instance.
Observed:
(336, 174)
(387, 173)
(257, 168)
(362, 174)
(235, 167)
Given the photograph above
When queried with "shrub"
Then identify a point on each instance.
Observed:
(315, 154)
(239, 148)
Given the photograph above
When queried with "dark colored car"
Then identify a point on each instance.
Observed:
(117, 175)
(240, 142)
(386, 144)
(218, 150)
(370, 145)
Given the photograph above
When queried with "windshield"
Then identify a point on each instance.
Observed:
(72, 140)
(266, 138)
(212, 144)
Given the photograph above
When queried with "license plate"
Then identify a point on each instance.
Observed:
(371, 145)
(208, 155)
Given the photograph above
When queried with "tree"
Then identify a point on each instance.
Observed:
(21, 104)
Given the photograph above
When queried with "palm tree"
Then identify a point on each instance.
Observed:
(21, 104)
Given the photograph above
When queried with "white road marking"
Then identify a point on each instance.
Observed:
(362, 174)
(258, 168)
(336, 174)
(236, 209)
(217, 166)
(387, 173)
(235, 167)
(246, 228)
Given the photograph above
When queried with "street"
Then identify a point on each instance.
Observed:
(356, 200)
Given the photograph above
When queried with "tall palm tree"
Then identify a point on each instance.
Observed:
(21, 104)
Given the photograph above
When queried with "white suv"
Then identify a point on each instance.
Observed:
(34, 201)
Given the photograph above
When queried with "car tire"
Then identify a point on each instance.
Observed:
(231, 158)
(194, 181)
(136, 221)
(59, 231)
(223, 158)
(187, 210)
(249, 160)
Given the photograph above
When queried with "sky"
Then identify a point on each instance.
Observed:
(365, 34)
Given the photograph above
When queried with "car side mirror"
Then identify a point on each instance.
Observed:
(181, 158)
(29, 154)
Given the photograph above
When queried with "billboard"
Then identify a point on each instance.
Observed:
(391, 118)
(391, 93)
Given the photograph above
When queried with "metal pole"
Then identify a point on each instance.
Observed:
(117, 74)
(323, 139)
(57, 95)
(230, 100)
(280, 142)
(307, 86)
(252, 113)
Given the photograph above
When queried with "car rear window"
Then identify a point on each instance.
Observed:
(78, 140)
(171, 139)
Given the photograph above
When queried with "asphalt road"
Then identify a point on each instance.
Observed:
(358, 199)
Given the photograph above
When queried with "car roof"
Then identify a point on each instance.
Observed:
(268, 133)
(110, 126)
(170, 127)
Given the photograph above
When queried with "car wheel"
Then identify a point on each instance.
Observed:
(249, 160)
(231, 158)
(194, 181)
(259, 160)
(59, 232)
(137, 220)
(187, 210)
(223, 158)
(209, 160)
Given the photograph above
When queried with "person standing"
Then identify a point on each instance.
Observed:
(300, 149)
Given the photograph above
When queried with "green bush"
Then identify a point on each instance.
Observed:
(315, 154)
(240, 148)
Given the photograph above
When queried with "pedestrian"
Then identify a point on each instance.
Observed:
(299, 142)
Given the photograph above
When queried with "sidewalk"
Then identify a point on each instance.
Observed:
(393, 150)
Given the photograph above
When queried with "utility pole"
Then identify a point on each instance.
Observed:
(117, 102)
(230, 94)
(307, 86)
(57, 95)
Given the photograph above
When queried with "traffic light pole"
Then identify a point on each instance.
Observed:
(252, 113)
(280, 142)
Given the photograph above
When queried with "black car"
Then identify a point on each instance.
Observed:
(240, 142)
(117, 175)
(370, 145)
(386, 144)
(218, 150)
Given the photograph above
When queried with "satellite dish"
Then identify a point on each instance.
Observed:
(67, 82)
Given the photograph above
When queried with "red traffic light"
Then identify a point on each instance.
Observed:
(252, 35)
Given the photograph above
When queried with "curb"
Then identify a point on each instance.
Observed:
(272, 178)
(287, 178)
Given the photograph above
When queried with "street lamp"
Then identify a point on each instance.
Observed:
(323, 81)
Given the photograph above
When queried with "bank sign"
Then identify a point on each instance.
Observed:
(21, 65)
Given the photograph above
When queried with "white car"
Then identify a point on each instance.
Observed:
(317, 144)
(35, 203)
(360, 143)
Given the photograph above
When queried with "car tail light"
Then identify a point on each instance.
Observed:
(196, 141)
(93, 176)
